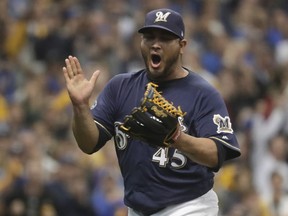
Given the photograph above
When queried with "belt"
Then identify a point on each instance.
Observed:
(147, 212)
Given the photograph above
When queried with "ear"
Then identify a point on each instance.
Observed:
(182, 44)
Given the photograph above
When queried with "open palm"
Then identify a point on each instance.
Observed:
(79, 88)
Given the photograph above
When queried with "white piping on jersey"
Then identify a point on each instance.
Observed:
(225, 143)
(102, 126)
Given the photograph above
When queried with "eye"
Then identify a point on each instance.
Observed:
(165, 38)
(168, 37)
(148, 36)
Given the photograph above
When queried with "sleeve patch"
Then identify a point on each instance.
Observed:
(223, 124)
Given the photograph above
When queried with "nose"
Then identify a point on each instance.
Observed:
(156, 43)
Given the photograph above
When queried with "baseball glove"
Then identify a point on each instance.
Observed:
(155, 121)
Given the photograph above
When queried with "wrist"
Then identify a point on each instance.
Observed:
(81, 108)
(176, 135)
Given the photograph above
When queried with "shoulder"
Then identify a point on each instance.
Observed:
(128, 76)
(124, 80)
(199, 84)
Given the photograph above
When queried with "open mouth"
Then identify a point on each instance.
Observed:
(156, 59)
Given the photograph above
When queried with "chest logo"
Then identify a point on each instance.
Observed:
(120, 137)
(160, 17)
(223, 124)
(182, 125)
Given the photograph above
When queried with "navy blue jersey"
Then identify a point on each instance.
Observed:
(157, 177)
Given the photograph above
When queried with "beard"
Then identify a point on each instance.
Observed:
(167, 67)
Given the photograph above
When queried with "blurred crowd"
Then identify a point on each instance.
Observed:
(239, 46)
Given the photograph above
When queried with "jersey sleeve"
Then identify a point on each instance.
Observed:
(103, 112)
(213, 122)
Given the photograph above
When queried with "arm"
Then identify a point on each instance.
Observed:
(84, 129)
(80, 90)
(201, 150)
(215, 141)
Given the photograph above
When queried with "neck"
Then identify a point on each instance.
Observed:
(177, 73)
(181, 73)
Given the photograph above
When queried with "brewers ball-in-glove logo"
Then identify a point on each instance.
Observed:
(223, 124)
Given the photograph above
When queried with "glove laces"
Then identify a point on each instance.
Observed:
(153, 95)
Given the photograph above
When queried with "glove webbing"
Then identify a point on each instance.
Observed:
(155, 97)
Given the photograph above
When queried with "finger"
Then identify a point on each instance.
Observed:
(78, 66)
(73, 65)
(69, 68)
(65, 72)
(94, 77)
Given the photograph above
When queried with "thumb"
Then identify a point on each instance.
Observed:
(94, 77)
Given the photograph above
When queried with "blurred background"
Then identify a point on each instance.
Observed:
(239, 46)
